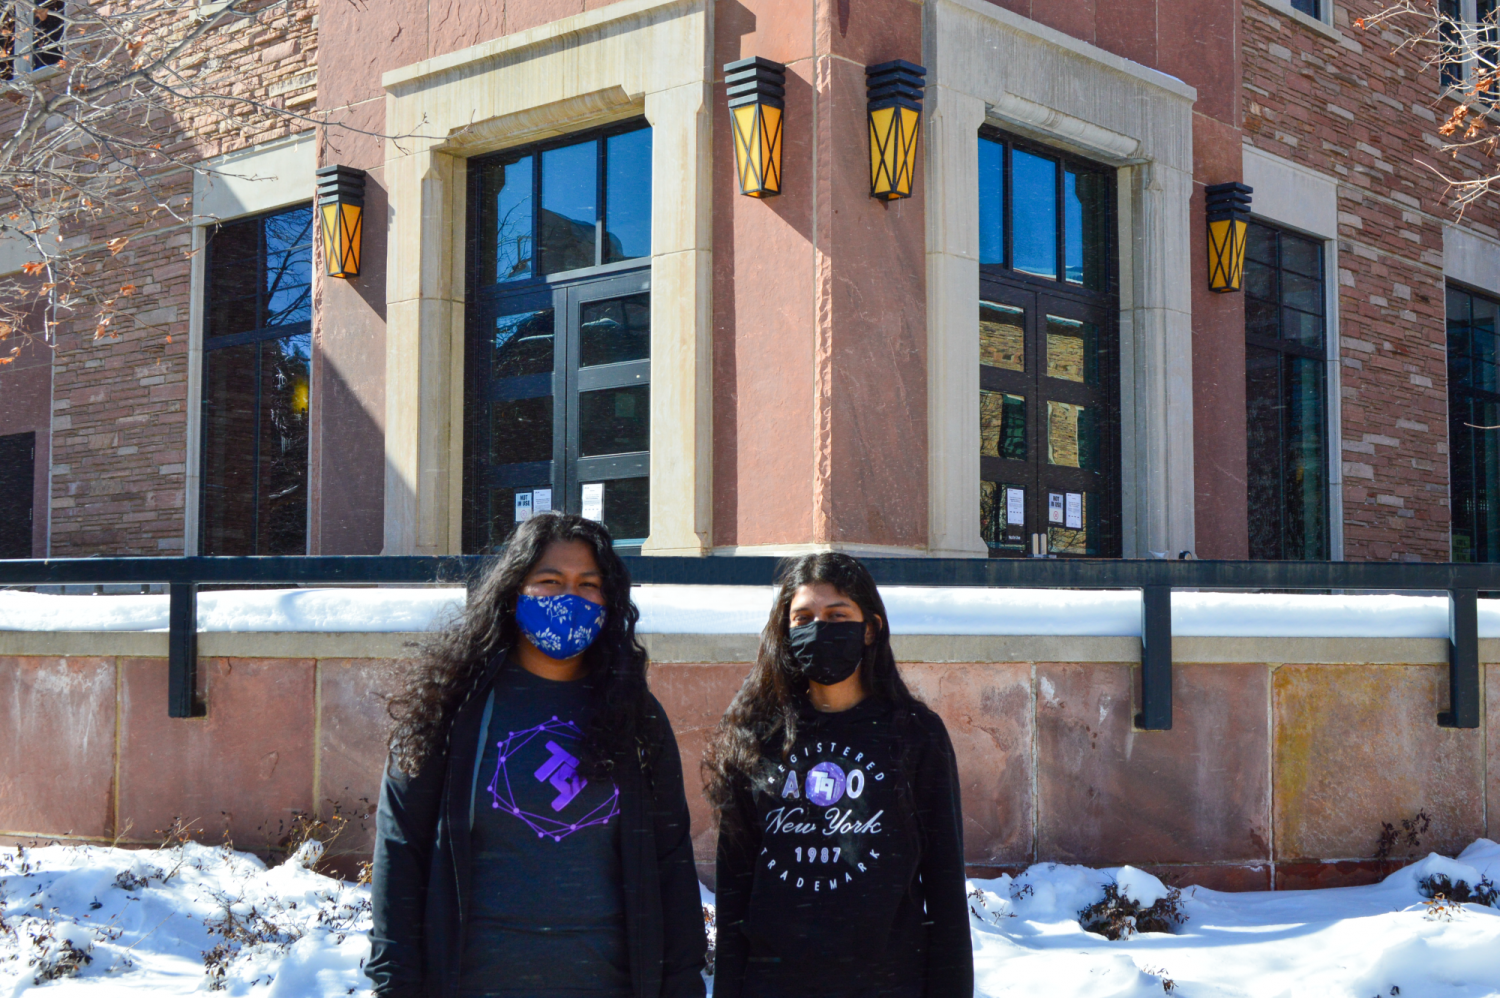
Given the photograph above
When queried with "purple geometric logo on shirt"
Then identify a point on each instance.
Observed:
(825, 784)
(560, 770)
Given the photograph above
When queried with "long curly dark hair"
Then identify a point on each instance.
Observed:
(775, 692)
(457, 661)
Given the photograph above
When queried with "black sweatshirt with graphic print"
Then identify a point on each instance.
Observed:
(840, 867)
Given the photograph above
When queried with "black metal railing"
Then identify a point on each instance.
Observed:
(1156, 579)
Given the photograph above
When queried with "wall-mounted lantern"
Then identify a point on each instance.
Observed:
(894, 92)
(757, 92)
(1228, 211)
(341, 205)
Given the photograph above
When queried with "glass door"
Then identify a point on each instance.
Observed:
(562, 378)
(1048, 425)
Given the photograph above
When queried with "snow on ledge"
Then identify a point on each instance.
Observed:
(743, 610)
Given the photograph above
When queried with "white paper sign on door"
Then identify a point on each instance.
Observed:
(1074, 517)
(1015, 507)
(523, 506)
(593, 501)
(1054, 507)
(541, 501)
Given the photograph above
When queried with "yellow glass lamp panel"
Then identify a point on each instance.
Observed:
(893, 151)
(343, 226)
(757, 149)
(1226, 254)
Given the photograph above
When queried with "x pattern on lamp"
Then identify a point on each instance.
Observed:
(757, 148)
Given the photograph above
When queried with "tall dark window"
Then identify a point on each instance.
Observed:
(1312, 8)
(1478, 16)
(257, 353)
(1048, 354)
(17, 490)
(558, 403)
(1285, 395)
(1473, 406)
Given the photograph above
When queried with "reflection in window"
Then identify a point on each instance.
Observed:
(991, 202)
(1034, 213)
(1002, 336)
(1002, 515)
(560, 200)
(1086, 205)
(1072, 350)
(1002, 425)
(523, 345)
(1285, 395)
(256, 384)
(505, 211)
(614, 420)
(627, 509)
(570, 206)
(627, 214)
(1072, 435)
(1033, 206)
(1474, 402)
(1071, 536)
(615, 330)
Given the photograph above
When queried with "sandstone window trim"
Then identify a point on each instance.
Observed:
(244, 182)
(630, 58)
(1322, 24)
(32, 39)
(1297, 199)
(1479, 18)
(988, 65)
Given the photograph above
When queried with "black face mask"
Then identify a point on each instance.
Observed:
(828, 652)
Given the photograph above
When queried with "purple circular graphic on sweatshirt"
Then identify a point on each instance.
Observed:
(825, 784)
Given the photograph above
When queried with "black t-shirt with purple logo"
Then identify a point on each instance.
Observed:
(840, 868)
(548, 909)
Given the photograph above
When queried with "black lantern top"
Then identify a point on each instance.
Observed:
(1230, 200)
(340, 185)
(755, 81)
(897, 83)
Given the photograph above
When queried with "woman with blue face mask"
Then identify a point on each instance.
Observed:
(840, 857)
(532, 837)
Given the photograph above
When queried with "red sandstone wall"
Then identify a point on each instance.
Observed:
(820, 420)
(1270, 775)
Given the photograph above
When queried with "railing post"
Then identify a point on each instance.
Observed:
(1156, 659)
(1463, 660)
(182, 649)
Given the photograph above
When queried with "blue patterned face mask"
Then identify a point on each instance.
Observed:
(560, 626)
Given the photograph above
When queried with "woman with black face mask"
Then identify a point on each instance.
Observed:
(532, 839)
(840, 858)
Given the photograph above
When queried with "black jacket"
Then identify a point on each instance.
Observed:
(841, 869)
(422, 872)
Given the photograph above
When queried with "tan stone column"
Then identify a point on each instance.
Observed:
(1156, 361)
(424, 355)
(952, 171)
(681, 321)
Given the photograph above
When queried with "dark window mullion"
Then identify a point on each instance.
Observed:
(1006, 200)
(1059, 209)
(599, 204)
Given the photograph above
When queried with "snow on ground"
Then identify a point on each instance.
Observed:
(743, 609)
(183, 919)
(91, 920)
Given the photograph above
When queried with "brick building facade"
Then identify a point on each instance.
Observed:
(814, 372)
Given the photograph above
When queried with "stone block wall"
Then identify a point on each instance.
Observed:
(1339, 101)
(1273, 775)
(119, 420)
